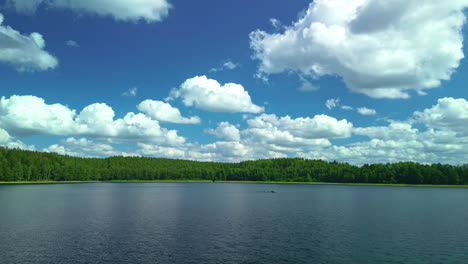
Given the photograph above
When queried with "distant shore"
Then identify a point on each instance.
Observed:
(207, 181)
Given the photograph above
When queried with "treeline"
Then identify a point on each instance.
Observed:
(20, 165)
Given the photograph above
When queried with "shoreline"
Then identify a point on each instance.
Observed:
(252, 182)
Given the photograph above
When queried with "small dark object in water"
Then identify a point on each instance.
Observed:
(270, 191)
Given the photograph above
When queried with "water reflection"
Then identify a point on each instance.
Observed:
(231, 223)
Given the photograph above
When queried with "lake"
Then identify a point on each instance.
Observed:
(231, 223)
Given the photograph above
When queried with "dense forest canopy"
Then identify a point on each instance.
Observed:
(21, 165)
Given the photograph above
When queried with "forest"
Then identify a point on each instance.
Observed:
(21, 165)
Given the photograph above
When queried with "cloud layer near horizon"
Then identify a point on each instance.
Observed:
(24, 116)
(95, 131)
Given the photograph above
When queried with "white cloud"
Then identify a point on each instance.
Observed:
(97, 120)
(225, 131)
(83, 147)
(4, 137)
(29, 115)
(62, 151)
(281, 136)
(320, 126)
(275, 139)
(23, 116)
(187, 152)
(229, 149)
(24, 52)
(266, 137)
(131, 92)
(366, 111)
(346, 107)
(332, 103)
(395, 131)
(425, 147)
(163, 152)
(17, 144)
(126, 10)
(275, 23)
(439, 137)
(228, 65)
(447, 114)
(164, 112)
(380, 48)
(72, 44)
(307, 86)
(443, 141)
(8, 141)
(210, 95)
(399, 141)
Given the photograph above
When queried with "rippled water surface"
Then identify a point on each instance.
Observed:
(231, 223)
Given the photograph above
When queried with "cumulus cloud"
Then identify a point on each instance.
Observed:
(97, 120)
(366, 111)
(275, 139)
(420, 146)
(395, 130)
(434, 135)
(187, 152)
(4, 137)
(227, 149)
(17, 144)
(56, 148)
(444, 139)
(272, 137)
(210, 95)
(320, 126)
(332, 103)
(164, 112)
(287, 136)
(225, 131)
(380, 48)
(8, 141)
(23, 116)
(24, 52)
(267, 136)
(448, 114)
(151, 150)
(82, 147)
(126, 10)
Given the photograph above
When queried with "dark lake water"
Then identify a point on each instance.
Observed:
(231, 223)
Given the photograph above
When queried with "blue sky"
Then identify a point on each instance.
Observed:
(353, 81)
